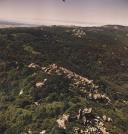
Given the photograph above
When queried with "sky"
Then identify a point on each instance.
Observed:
(71, 12)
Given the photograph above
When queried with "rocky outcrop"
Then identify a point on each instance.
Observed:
(99, 97)
(43, 132)
(79, 33)
(53, 68)
(91, 123)
(86, 87)
(107, 119)
(21, 92)
(62, 121)
(40, 84)
(33, 65)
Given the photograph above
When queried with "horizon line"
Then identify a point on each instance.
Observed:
(51, 22)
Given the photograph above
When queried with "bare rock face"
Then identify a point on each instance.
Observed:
(33, 65)
(77, 79)
(86, 87)
(82, 114)
(79, 33)
(92, 124)
(21, 92)
(62, 121)
(43, 132)
(99, 97)
(36, 103)
(107, 119)
(85, 115)
(40, 84)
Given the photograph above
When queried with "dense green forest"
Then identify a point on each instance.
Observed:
(73, 75)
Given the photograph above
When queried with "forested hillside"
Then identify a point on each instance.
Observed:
(64, 80)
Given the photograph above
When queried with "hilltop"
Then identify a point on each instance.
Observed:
(64, 80)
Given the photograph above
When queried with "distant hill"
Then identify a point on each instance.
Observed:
(64, 80)
(7, 24)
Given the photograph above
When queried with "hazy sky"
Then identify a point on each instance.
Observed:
(69, 12)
